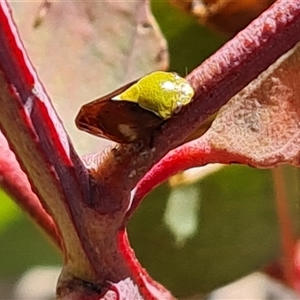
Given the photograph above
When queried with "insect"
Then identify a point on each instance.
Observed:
(134, 111)
(160, 92)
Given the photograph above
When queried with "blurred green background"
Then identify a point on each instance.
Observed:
(225, 227)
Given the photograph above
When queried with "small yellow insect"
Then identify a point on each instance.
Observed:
(162, 93)
(143, 106)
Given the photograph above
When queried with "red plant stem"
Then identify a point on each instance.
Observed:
(18, 70)
(93, 250)
(217, 80)
(235, 65)
(288, 237)
(39, 141)
(25, 84)
(15, 182)
(193, 154)
(149, 288)
(55, 171)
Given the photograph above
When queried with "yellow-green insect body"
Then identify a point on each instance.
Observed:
(162, 93)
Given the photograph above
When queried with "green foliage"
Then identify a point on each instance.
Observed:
(237, 232)
(22, 244)
(189, 43)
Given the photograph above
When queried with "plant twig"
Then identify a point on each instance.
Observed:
(40, 143)
(15, 182)
(89, 209)
(218, 79)
(97, 255)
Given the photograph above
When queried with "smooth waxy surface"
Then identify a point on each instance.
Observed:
(141, 108)
(162, 93)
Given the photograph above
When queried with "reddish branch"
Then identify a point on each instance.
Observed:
(193, 154)
(15, 182)
(287, 234)
(41, 145)
(196, 153)
(94, 254)
(89, 209)
(217, 80)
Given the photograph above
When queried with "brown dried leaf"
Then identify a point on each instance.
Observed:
(86, 49)
(262, 122)
(228, 16)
